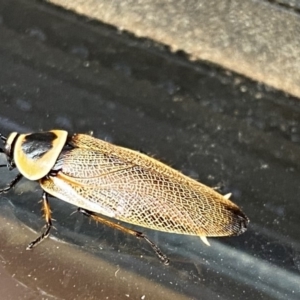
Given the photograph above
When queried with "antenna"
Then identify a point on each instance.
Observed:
(3, 138)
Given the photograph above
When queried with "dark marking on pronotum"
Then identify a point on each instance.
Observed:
(36, 145)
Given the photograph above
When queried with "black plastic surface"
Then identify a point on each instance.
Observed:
(62, 71)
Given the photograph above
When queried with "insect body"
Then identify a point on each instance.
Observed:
(107, 180)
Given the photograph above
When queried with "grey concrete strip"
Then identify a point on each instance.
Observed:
(256, 38)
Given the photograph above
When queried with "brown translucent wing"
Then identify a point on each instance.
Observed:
(132, 187)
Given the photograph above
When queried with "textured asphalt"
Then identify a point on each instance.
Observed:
(259, 39)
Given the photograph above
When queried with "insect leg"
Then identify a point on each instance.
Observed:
(47, 216)
(12, 183)
(137, 234)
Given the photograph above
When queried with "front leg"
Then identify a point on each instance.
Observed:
(47, 216)
(12, 183)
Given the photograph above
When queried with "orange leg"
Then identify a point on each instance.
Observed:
(47, 216)
(137, 234)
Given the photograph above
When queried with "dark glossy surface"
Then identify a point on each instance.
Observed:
(61, 71)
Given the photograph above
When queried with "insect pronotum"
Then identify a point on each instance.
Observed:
(103, 179)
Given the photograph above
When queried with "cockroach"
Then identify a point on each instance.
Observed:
(103, 179)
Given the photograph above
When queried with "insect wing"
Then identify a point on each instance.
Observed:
(132, 187)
